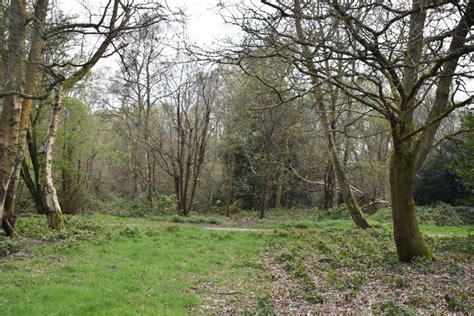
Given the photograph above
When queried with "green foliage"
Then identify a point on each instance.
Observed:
(166, 204)
(440, 214)
(447, 175)
(195, 219)
(458, 302)
(462, 165)
(78, 147)
(436, 181)
(339, 212)
(7, 247)
(137, 207)
(390, 308)
(333, 260)
(129, 207)
(264, 307)
(79, 230)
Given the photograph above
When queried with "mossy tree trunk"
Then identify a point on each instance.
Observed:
(408, 238)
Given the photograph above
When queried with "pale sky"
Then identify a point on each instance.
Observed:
(205, 25)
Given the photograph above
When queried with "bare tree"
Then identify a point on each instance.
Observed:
(182, 141)
(138, 87)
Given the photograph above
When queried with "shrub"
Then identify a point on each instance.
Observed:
(440, 214)
(166, 204)
(340, 212)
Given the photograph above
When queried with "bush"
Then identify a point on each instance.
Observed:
(195, 219)
(79, 229)
(166, 204)
(136, 207)
(440, 214)
(125, 207)
(340, 212)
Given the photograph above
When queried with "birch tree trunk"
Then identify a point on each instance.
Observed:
(34, 57)
(53, 209)
(11, 112)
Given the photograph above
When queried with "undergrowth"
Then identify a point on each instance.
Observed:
(342, 269)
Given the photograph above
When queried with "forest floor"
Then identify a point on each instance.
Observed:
(167, 265)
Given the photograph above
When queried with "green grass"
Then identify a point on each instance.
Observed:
(106, 265)
(143, 271)
(447, 230)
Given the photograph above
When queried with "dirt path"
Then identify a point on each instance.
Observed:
(233, 229)
(203, 226)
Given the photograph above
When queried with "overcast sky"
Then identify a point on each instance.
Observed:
(204, 22)
(205, 27)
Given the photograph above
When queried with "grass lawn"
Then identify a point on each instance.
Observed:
(150, 270)
(105, 265)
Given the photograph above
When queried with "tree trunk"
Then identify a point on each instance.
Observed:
(330, 188)
(346, 191)
(34, 57)
(281, 175)
(279, 188)
(53, 209)
(407, 235)
(230, 182)
(11, 111)
(408, 238)
(34, 187)
(10, 197)
(348, 196)
(149, 179)
(265, 180)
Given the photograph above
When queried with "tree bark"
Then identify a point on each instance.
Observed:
(264, 188)
(279, 188)
(230, 181)
(408, 238)
(32, 66)
(11, 112)
(281, 175)
(53, 209)
(330, 188)
(34, 187)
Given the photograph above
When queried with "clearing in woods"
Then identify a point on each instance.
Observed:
(147, 267)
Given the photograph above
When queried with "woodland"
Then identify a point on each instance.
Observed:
(319, 159)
